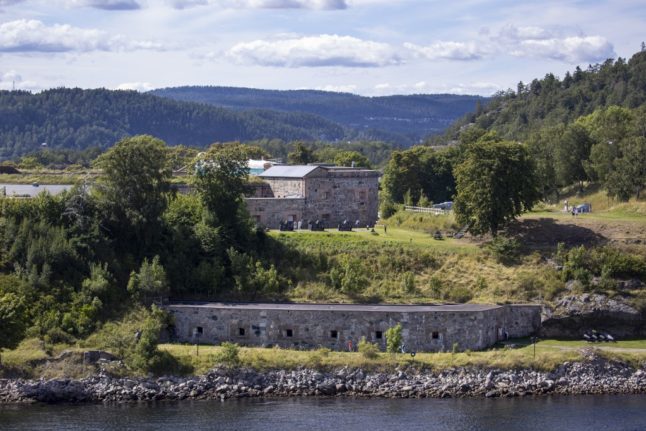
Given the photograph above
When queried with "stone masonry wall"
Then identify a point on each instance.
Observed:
(270, 212)
(422, 331)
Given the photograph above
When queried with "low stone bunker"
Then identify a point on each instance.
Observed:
(426, 328)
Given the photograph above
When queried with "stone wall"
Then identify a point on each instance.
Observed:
(425, 328)
(270, 212)
(328, 194)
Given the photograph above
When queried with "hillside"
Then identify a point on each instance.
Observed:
(79, 119)
(553, 101)
(399, 118)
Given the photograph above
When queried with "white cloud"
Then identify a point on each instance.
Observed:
(34, 36)
(574, 49)
(137, 86)
(263, 4)
(448, 50)
(315, 51)
(12, 80)
(108, 4)
(555, 44)
(515, 33)
(348, 88)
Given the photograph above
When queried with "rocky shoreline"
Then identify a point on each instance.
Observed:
(595, 375)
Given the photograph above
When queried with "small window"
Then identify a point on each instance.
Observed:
(241, 332)
(334, 333)
(289, 333)
(326, 195)
(435, 335)
(198, 330)
(379, 335)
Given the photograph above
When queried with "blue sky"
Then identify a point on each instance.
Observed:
(368, 47)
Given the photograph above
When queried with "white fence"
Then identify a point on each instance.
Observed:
(436, 211)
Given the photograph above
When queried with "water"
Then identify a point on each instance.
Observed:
(574, 413)
(29, 189)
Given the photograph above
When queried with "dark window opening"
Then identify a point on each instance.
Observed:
(334, 334)
(289, 333)
(241, 331)
(435, 335)
(379, 335)
(199, 330)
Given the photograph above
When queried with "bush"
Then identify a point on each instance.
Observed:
(505, 250)
(229, 354)
(408, 282)
(394, 339)
(459, 294)
(367, 349)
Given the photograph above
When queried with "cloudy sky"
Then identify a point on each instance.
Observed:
(369, 47)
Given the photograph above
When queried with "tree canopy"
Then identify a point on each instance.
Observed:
(495, 183)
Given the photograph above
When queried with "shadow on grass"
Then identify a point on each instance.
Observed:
(546, 233)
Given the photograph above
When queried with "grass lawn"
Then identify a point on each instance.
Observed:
(392, 235)
(548, 355)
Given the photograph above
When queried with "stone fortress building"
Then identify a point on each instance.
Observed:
(428, 328)
(307, 193)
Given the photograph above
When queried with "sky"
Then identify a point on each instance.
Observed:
(367, 47)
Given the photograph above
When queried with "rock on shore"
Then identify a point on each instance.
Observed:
(596, 375)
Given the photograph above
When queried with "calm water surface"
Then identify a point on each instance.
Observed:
(576, 413)
(29, 189)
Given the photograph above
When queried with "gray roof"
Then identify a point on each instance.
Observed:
(285, 171)
(395, 308)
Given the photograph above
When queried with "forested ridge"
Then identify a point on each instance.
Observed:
(552, 101)
(78, 119)
(402, 118)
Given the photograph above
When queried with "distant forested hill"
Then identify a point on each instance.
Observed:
(78, 119)
(393, 118)
(552, 101)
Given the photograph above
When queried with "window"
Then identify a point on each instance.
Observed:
(289, 333)
(379, 335)
(334, 333)
(241, 332)
(198, 330)
(326, 195)
(435, 335)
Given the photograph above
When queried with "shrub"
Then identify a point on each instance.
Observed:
(229, 354)
(367, 349)
(394, 338)
(459, 294)
(505, 250)
(408, 282)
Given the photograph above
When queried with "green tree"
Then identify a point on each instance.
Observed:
(495, 183)
(352, 158)
(572, 152)
(628, 176)
(133, 191)
(394, 338)
(221, 181)
(301, 155)
(12, 319)
(149, 282)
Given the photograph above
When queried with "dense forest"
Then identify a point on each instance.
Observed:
(80, 119)
(401, 119)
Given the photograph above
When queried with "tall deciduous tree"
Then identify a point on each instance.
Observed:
(221, 180)
(496, 182)
(133, 191)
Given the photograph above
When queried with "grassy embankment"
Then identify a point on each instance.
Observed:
(30, 357)
(466, 269)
